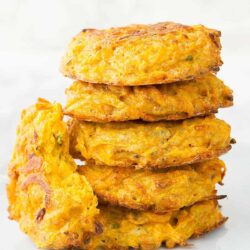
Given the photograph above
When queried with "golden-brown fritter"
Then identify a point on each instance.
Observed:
(143, 54)
(104, 103)
(149, 145)
(159, 190)
(130, 228)
(56, 206)
(53, 204)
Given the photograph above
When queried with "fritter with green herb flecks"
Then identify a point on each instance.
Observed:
(149, 145)
(158, 190)
(53, 204)
(143, 54)
(123, 228)
(104, 103)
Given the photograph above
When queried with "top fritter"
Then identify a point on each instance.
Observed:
(143, 54)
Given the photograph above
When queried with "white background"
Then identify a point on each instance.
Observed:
(33, 37)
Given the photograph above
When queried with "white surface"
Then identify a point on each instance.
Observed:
(33, 36)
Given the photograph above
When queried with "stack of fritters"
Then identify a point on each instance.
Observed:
(142, 120)
(134, 87)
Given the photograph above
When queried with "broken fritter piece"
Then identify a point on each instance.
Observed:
(142, 54)
(104, 103)
(126, 229)
(149, 145)
(156, 190)
(53, 204)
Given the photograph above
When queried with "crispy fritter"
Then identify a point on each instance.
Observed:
(143, 54)
(149, 145)
(53, 204)
(130, 228)
(159, 190)
(103, 103)
(56, 206)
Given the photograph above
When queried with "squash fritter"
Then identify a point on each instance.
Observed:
(56, 206)
(147, 231)
(53, 204)
(104, 103)
(149, 145)
(159, 190)
(142, 54)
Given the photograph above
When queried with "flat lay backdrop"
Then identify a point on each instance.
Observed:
(33, 37)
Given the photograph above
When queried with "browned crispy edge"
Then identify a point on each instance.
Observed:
(148, 118)
(108, 199)
(213, 69)
(220, 223)
(198, 158)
